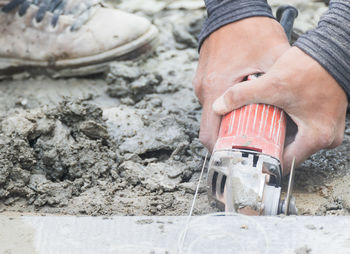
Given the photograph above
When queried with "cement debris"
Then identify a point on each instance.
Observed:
(126, 142)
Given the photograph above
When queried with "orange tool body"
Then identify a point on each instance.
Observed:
(256, 127)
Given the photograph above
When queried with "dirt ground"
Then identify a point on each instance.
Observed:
(126, 142)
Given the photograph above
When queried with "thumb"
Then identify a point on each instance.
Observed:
(259, 90)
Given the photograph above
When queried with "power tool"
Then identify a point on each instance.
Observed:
(245, 169)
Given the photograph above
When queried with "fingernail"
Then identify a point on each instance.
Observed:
(219, 106)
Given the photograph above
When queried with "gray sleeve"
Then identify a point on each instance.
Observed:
(329, 43)
(223, 12)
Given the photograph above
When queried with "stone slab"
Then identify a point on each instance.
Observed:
(205, 234)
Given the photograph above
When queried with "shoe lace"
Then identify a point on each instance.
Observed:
(56, 7)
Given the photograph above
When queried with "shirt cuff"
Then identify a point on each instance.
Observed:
(329, 43)
(223, 12)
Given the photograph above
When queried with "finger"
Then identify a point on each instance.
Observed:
(261, 90)
(210, 125)
(301, 148)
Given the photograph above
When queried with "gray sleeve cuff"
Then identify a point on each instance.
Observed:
(329, 43)
(223, 12)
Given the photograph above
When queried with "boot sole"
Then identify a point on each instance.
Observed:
(81, 66)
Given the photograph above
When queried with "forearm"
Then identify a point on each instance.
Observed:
(329, 43)
(223, 12)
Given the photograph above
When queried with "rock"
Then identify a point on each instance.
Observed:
(347, 130)
(345, 198)
(153, 176)
(125, 70)
(303, 250)
(165, 133)
(175, 172)
(93, 130)
(136, 88)
(123, 122)
(72, 112)
(310, 226)
(4, 173)
(190, 187)
(20, 176)
(184, 37)
(18, 124)
(119, 88)
(186, 5)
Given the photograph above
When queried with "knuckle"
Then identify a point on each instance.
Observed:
(326, 137)
(202, 85)
(197, 86)
(338, 140)
(208, 82)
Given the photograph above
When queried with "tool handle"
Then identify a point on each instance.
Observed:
(286, 15)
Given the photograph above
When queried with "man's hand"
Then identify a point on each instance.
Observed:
(301, 87)
(229, 55)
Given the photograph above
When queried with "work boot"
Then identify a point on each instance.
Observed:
(68, 37)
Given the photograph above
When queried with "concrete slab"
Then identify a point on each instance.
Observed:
(206, 234)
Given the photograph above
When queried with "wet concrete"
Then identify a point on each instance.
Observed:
(126, 142)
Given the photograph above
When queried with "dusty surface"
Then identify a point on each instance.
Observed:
(16, 237)
(125, 143)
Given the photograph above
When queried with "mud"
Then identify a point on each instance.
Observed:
(126, 142)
